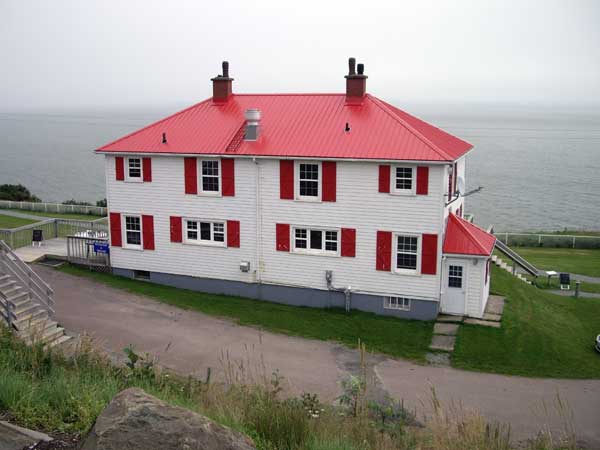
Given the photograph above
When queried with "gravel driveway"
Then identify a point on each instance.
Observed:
(189, 342)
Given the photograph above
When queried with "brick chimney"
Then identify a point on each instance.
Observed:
(356, 83)
(222, 85)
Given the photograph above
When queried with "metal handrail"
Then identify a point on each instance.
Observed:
(37, 287)
(518, 259)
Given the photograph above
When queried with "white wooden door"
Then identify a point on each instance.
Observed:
(455, 284)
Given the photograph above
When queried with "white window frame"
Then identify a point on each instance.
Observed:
(198, 241)
(397, 303)
(311, 251)
(308, 198)
(124, 232)
(415, 271)
(462, 276)
(201, 190)
(413, 189)
(129, 178)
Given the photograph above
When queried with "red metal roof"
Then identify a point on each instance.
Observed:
(464, 238)
(297, 125)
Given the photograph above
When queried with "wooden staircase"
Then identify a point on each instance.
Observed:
(27, 302)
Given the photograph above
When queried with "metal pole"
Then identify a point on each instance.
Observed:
(577, 283)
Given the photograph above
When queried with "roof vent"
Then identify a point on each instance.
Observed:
(164, 138)
(252, 117)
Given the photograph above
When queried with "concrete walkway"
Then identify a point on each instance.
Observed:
(571, 293)
(190, 342)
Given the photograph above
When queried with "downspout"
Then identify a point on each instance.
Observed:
(258, 223)
(346, 290)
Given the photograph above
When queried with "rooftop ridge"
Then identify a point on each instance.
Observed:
(386, 107)
(465, 226)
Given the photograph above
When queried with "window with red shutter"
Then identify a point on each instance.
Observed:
(329, 181)
(429, 250)
(286, 179)
(190, 176)
(115, 229)
(119, 168)
(228, 177)
(422, 180)
(348, 242)
(147, 169)
(282, 236)
(148, 232)
(233, 233)
(175, 226)
(384, 179)
(384, 250)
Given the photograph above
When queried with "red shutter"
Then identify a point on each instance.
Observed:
(148, 232)
(450, 173)
(191, 176)
(175, 223)
(455, 177)
(233, 233)
(329, 181)
(147, 169)
(384, 178)
(282, 233)
(348, 242)
(119, 168)
(228, 177)
(115, 229)
(286, 179)
(422, 180)
(384, 250)
(429, 249)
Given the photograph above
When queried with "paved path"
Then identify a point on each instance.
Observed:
(189, 342)
(571, 293)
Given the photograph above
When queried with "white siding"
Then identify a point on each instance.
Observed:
(359, 205)
(165, 197)
(475, 287)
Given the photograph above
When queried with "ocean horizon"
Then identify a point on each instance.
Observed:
(537, 166)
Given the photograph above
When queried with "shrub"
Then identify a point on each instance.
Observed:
(17, 193)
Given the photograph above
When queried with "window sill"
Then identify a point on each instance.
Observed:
(209, 194)
(205, 244)
(316, 253)
(308, 199)
(135, 248)
(134, 180)
(404, 194)
(410, 273)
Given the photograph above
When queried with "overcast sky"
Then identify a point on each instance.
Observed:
(59, 55)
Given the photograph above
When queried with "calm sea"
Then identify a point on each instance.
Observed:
(539, 169)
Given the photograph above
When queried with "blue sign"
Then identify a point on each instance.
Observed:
(101, 247)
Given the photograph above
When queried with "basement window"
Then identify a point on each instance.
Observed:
(403, 181)
(309, 180)
(205, 232)
(316, 241)
(134, 169)
(210, 176)
(141, 274)
(398, 303)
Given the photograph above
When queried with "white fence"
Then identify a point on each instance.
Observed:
(54, 208)
(548, 240)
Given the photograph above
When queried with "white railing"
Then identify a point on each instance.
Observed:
(548, 240)
(39, 291)
(54, 207)
(51, 228)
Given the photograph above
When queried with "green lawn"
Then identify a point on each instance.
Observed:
(63, 216)
(581, 261)
(542, 335)
(542, 283)
(13, 222)
(401, 338)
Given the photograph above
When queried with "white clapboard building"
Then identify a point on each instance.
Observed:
(324, 200)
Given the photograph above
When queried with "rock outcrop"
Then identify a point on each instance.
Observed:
(135, 420)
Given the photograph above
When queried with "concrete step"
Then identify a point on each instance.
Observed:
(32, 314)
(449, 318)
(14, 290)
(7, 283)
(446, 328)
(442, 343)
(494, 258)
(38, 327)
(492, 317)
(484, 323)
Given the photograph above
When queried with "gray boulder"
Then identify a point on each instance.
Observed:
(135, 420)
